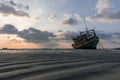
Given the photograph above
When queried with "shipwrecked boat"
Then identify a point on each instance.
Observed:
(86, 40)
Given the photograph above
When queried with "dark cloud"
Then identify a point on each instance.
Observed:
(30, 35)
(14, 4)
(114, 15)
(8, 10)
(69, 21)
(27, 7)
(59, 30)
(117, 33)
(34, 35)
(8, 29)
(69, 35)
(110, 37)
(23, 7)
(105, 36)
(106, 16)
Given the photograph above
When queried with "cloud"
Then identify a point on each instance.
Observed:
(106, 16)
(15, 40)
(66, 36)
(9, 10)
(59, 30)
(103, 12)
(14, 4)
(69, 22)
(109, 40)
(36, 36)
(52, 18)
(8, 29)
(37, 18)
(78, 17)
(30, 35)
(69, 35)
(102, 5)
(48, 39)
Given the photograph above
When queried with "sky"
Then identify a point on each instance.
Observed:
(53, 23)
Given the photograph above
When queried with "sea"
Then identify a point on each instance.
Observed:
(59, 64)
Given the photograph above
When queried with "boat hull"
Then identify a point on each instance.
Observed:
(92, 44)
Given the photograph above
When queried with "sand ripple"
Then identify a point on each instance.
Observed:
(61, 65)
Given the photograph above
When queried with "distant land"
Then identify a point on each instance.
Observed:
(50, 48)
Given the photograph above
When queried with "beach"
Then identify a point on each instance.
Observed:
(60, 64)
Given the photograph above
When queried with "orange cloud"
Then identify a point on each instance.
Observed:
(12, 41)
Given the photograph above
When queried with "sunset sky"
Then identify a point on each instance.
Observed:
(52, 23)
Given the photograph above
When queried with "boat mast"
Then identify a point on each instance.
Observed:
(85, 24)
(87, 31)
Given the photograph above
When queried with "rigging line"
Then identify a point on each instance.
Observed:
(100, 45)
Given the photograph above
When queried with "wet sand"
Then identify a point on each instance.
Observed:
(60, 65)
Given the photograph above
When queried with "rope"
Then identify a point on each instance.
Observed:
(100, 46)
